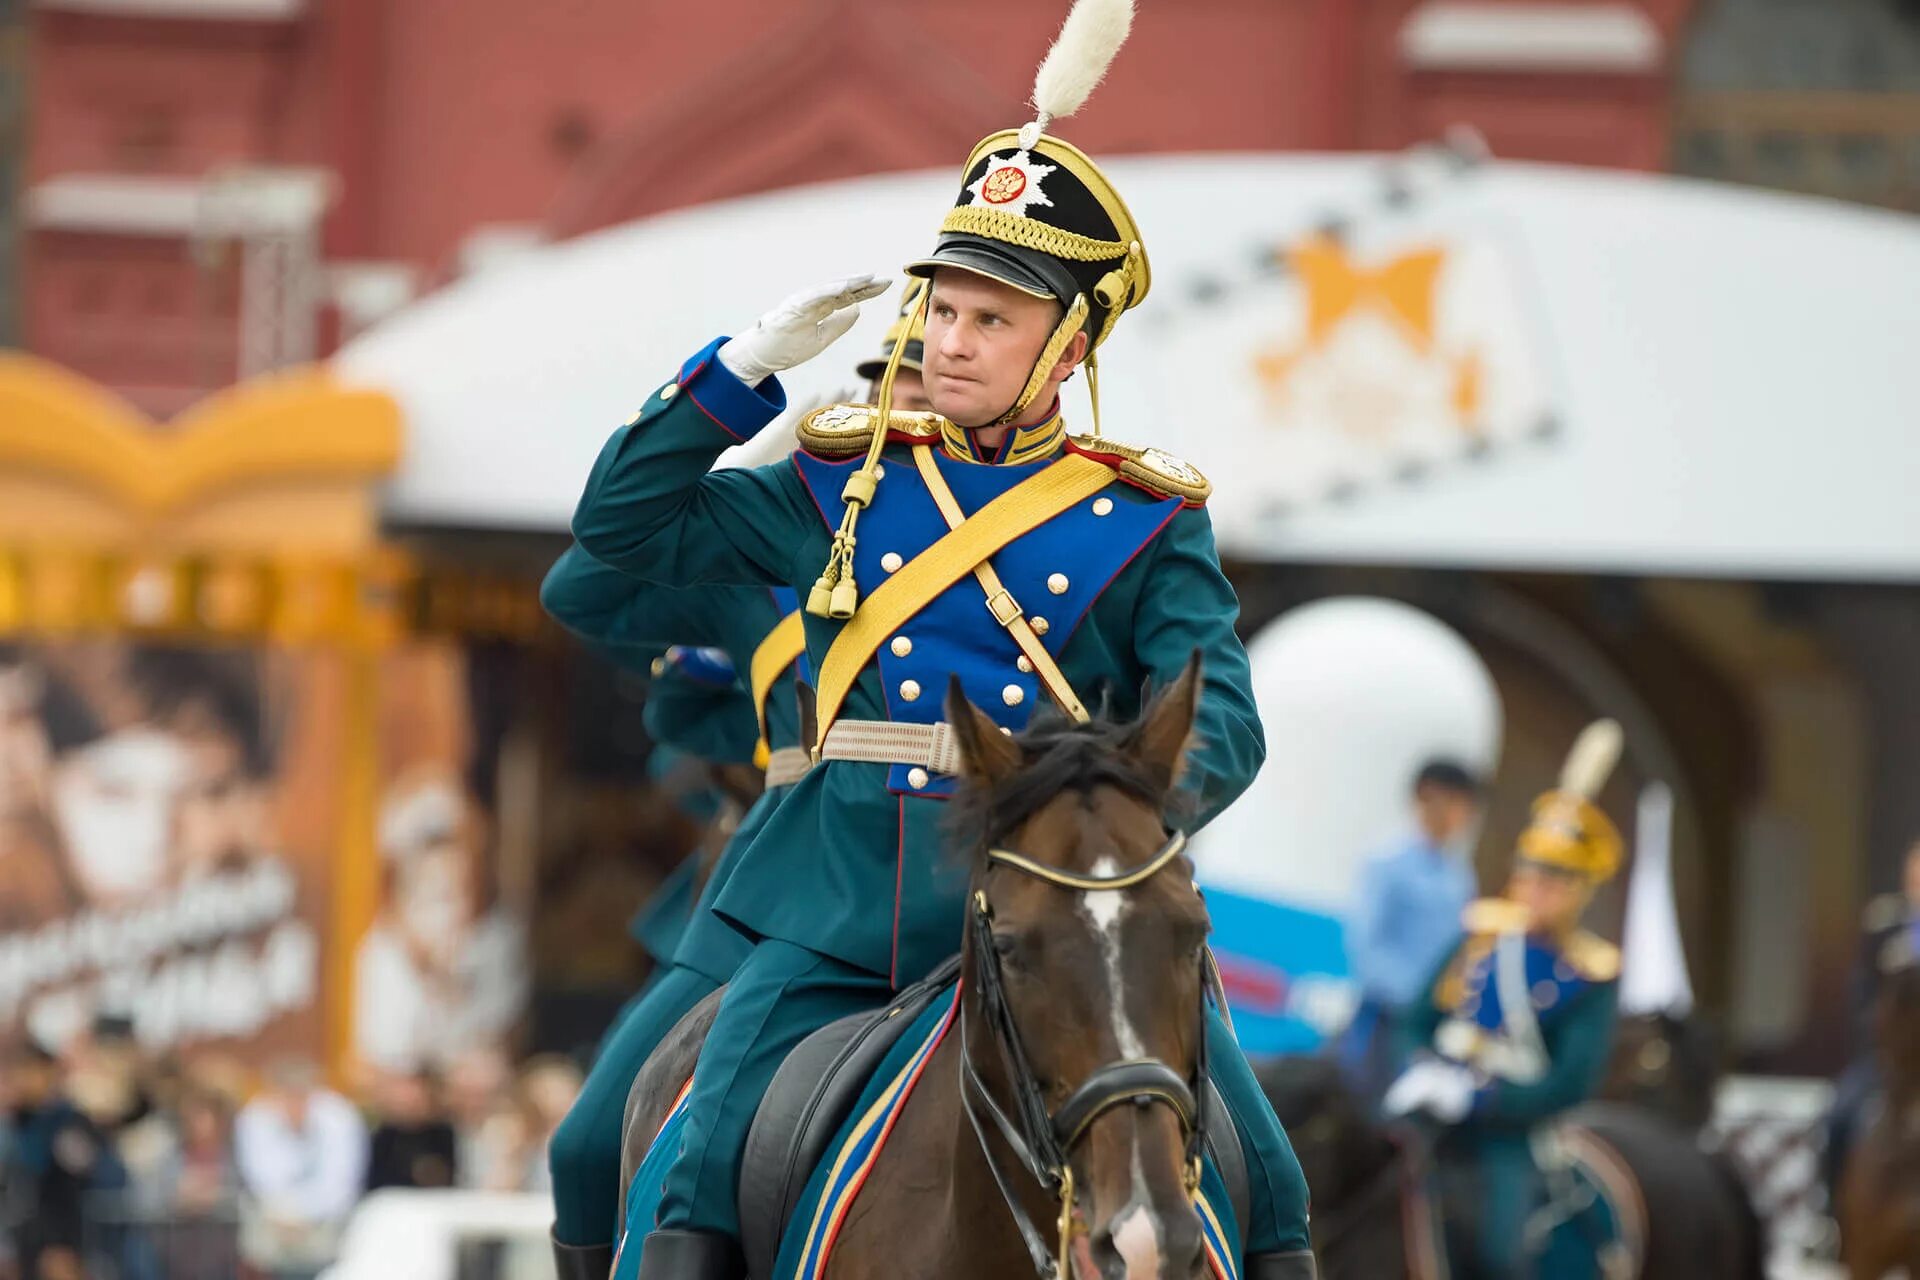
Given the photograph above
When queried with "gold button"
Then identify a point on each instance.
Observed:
(902, 646)
(916, 778)
(891, 561)
(669, 391)
(1013, 695)
(879, 471)
(1040, 625)
(1102, 505)
(1057, 583)
(1024, 663)
(909, 690)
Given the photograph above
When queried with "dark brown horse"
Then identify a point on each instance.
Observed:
(1082, 993)
(1372, 1222)
(1880, 1193)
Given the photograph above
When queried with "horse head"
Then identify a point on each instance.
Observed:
(1896, 1019)
(1085, 966)
(1340, 1147)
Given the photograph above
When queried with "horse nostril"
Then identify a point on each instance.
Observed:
(1186, 1253)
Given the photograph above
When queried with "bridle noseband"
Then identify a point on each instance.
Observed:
(1042, 1139)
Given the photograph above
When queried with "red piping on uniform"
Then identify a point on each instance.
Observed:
(703, 409)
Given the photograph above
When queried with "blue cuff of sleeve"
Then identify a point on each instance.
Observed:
(736, 408)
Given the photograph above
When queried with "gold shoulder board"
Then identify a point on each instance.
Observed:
(1494, 915)
(1593, 958)
(1153, 469)
(840, 429)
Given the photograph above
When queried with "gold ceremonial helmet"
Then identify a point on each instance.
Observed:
(1568, 832)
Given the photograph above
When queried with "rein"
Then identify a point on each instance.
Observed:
(1043, 1140)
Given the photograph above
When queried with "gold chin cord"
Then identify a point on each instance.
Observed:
(834, 593)
(1070, 324)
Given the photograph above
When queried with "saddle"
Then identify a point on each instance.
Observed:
(815, 1091)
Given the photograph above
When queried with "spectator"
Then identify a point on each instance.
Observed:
(1407, 917)
(545, 1090)
(479, 1104)
(414, 1144)
(302, 1154)
(55, 1156)
(195, 1189)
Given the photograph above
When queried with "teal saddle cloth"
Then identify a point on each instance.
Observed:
(837, 1180)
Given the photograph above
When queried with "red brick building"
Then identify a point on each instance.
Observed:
(311, 164)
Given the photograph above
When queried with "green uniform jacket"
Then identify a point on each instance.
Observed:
(632, 622)
(846, 867)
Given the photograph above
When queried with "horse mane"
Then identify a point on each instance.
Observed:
(1057, 755)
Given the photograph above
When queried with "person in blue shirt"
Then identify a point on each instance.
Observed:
(1406, 917)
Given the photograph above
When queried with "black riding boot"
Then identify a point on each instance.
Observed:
(582, 1261)
(1297, 1265)
(691, 1255)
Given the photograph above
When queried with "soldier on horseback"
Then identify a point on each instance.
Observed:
(980, 540)
(1517, 1026)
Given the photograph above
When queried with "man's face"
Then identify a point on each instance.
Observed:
(223, 814)
(114, 801)
(1444, 813)
(909, 391)
(1554, 899)
(982, 340)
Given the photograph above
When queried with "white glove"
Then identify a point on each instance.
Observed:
(1444, 1090)
(799, 329)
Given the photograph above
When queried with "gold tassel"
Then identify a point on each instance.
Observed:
(835, 594)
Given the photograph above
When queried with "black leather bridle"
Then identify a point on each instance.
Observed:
(1042, 1139)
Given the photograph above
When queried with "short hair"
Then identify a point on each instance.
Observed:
(1447, 775)
(223, 685)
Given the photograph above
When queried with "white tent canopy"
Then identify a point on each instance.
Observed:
(1528, 367)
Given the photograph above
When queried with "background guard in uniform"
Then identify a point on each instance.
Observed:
(1096, 571)
(1519, 1023)
(702, 704)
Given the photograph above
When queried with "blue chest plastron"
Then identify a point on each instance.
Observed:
(1055, 572)
(1551, 983)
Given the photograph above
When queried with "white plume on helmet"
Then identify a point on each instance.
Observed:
(1078, 61)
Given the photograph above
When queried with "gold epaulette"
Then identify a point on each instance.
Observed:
(837, 430)
(1155, 470)
(1494, 916)
(1592, 957)
(1883, 912)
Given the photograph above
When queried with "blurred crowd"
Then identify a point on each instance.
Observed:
(116, 1164)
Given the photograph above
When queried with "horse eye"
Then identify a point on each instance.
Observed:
(1006, 946)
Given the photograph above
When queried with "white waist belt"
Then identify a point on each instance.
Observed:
(930, 746)
(787, 766)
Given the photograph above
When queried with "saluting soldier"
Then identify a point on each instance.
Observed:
(1518, 1025)
(728, 696)
(1074, 564)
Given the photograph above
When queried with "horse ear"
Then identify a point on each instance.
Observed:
(986, 754)
(1166, 727)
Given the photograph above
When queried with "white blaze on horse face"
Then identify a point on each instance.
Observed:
(1136, 1238)
(1105, 908)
